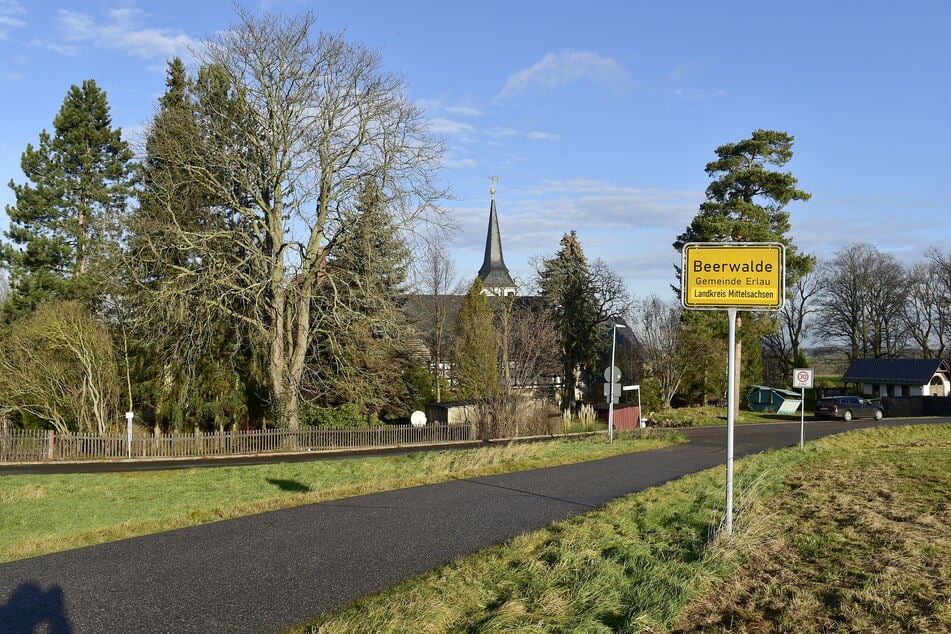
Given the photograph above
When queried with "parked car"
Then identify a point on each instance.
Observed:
(847, 408)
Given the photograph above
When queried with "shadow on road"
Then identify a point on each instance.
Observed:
(32, 609)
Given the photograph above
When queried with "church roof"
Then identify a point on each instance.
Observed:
(494, 273)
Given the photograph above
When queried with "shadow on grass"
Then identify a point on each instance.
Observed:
(289, 486)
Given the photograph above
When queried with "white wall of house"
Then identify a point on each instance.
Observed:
(938, 387)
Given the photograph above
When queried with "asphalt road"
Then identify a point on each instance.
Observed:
(267, 572)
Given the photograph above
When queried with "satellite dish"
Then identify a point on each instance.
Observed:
(418, 419)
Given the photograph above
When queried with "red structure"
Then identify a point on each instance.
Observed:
(625, 416)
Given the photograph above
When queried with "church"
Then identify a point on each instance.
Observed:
(433, 317)
(494, 274)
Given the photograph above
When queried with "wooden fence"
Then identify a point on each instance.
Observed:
(20, 445)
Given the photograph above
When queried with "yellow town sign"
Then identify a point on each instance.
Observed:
(745, 275)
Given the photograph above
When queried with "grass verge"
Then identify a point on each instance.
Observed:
(44, 514)
(709, 415)
(849, 534)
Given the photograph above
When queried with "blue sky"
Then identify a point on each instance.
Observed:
(597, 116)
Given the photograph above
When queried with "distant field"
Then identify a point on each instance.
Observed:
(49, 513)
(849, 535)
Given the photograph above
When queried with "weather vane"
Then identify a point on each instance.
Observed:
(494, 179)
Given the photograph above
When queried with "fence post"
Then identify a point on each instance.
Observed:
(52, 445)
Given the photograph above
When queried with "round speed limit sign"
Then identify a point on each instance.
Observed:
(802, 377)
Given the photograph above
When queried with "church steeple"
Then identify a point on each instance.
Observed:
(495, 275)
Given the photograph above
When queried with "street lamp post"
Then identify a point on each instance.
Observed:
(612, 382)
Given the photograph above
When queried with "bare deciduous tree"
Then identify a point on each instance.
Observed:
(864, 292)
(783, 345)
(526, 345)
(309, 119)
(436, 280)
(659, 329)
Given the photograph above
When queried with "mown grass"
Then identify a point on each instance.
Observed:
(44, 514)
(849, 535)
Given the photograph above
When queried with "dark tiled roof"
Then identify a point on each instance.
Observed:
(894, 371)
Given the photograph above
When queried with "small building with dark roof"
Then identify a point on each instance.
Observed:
(763, 398)
(900, 377)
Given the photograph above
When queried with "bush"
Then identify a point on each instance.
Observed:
(347, 416)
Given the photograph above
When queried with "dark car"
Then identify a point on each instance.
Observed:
(847, 408)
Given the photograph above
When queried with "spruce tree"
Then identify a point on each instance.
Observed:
(194, 371)
(362, 358)
(583, 298)
(65, 224)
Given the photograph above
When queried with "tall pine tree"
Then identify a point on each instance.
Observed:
(65, 224)
(746, 202)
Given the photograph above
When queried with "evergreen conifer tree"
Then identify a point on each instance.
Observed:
(583, 298)
(65, 224)
(360, 300)
(194, 371)
(746, 202)
(475, 369)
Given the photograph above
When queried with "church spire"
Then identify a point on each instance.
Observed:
(495, 275)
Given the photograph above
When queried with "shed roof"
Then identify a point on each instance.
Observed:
(895, 371)
(780, 391)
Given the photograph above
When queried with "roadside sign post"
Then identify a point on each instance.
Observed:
(802, 378)
(612, 375)
(730, 276)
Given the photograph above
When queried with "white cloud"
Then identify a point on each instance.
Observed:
(464, 111)
(450, 162)
(558, 69)
(123, 30)
(503, 133)
(448, 126)
(9, 9)
(543, 136)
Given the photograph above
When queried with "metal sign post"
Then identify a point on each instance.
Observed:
(730, 403)
(802, 378)
(730, 276)
(612, 375)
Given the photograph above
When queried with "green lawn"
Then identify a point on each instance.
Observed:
(850, 533)
(43, 514)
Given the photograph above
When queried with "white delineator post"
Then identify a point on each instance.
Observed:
(128, 427)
